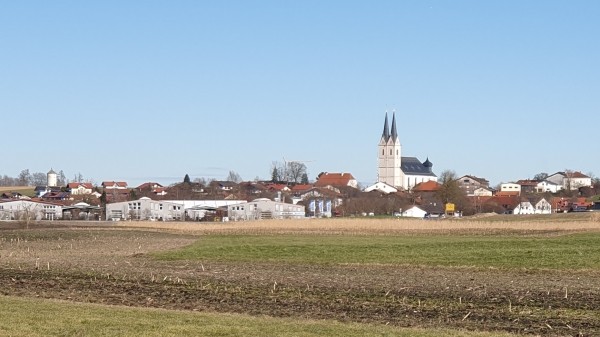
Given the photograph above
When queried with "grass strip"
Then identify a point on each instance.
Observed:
(536, 251)
(38, 317)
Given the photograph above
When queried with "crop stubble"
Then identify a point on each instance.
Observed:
(108, 264)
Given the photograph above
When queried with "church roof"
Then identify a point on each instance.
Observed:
(412, 166)
(386, 130)
(394, 134)
(387, 134)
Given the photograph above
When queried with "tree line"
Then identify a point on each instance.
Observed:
(27, 178)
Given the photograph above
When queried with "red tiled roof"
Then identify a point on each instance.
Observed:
(334, 179)
(527, 182)
(116, 191)
(277, 187)
(113, 183)
(510, 201)
(578, 174)
(148, 185)
(507, 194)
(302, 187)
(427, 186)
(76, 185)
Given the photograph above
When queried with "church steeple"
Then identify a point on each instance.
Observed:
(394, 132)
(386, 129)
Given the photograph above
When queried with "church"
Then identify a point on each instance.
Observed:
(400, 172)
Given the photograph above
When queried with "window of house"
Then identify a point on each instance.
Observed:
(391, 152)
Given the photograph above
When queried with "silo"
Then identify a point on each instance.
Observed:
(52, 178)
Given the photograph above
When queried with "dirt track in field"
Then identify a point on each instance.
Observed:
(107, 265)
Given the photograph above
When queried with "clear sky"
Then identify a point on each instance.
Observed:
(151, 90)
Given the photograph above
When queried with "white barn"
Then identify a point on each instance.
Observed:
(30, 210)
(144, 209)
(381, 187)
(264, 208)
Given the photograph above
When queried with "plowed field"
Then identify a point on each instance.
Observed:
(112, 264)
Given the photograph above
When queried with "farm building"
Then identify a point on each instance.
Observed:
(422, 211)
(144, 209)
(198, 209)
(264, 209)
(29, 210)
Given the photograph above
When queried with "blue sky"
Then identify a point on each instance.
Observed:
(152, 90)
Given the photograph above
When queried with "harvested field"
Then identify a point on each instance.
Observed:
(121, 263)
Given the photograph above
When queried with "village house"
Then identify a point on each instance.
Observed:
(80, 188)
(470, 184)
(510, 189)
(570, 180)
(336, 180)
(152, 188)
(533, 206)
(528, 186)
(115, 191)
(381, 187)
(546, 186)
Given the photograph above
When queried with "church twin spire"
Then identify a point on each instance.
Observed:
(386, 130)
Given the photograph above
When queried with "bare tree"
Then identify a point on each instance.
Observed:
(234, 177)
(450, 190)
(62, 179)
(568, 180)
(24, 178)
(27, 213)
(78, 178)
(294, 171)
(201, 181)
(39, 179)
(540, 176)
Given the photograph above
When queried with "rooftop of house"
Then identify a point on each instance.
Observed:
(302, 187)
(76, 185)
(482, 181)
(528, 182)
(427, 186)
(334, 179)
(114, 183)
(149, 185)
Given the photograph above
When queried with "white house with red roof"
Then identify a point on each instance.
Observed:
(120, 185)
(381, 187)
(80, 188)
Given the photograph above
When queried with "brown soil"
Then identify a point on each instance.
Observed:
(110, 266)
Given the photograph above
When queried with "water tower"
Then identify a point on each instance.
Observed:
(52, 178)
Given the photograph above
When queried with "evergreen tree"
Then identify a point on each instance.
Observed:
(304, 179)
(186, 179)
